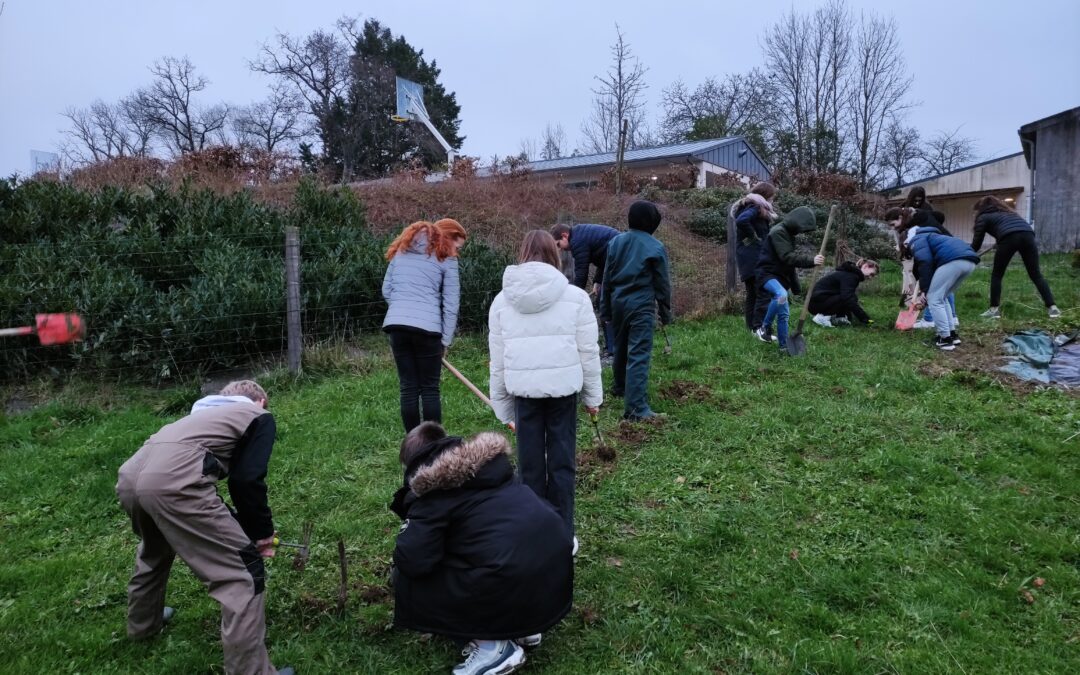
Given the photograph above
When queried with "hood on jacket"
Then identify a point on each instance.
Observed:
(852, 268)
(215, 400)
(532, 287)
(643, 216)
(419, 243)
(765, 208)
(455, 466)
(800, 220)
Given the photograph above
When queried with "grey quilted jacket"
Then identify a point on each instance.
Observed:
(422, 292)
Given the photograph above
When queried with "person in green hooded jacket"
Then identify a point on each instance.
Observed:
(777, 270)
(636, 284)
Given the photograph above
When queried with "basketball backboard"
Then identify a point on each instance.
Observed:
(410, 100)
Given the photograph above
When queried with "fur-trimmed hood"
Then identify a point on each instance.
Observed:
(457, 465)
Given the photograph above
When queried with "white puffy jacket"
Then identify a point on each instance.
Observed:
(543, 339)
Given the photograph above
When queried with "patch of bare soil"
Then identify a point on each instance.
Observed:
(372, 594)
(685, 391)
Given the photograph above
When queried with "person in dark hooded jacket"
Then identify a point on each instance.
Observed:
(834, 300)
(1012, 235)
(479, 557)
(637, 285)
(776, 270)
(754, 215)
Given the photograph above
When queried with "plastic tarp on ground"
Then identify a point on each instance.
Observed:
(1039, 358)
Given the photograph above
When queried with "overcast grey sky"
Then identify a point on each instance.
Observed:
(986, 67)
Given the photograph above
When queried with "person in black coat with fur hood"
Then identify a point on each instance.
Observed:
(479, 558)
(834, 300)
(754, 215)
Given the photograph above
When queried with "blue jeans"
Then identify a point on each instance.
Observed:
(778, 309)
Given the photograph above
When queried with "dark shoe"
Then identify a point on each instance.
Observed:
(954, 337)
(618, 393)
(944, 343)
(646, 417)
(607, 361)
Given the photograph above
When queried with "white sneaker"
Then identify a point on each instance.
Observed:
(823, 321)
(574, 552)
(992, 313)
(504, 658)
(1055, 313)
(955, 323)
(530, 641)
(923, 323)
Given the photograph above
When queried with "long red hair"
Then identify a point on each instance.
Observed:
(440, 238)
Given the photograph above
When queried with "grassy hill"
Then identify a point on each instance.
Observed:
(874, 506)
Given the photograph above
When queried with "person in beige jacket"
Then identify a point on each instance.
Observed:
(169, 490)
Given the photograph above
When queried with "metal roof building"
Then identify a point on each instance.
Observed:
(714, 157)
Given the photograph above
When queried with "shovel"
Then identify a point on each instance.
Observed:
(796, 344)
(473, 388)
(667, 339)
(52, 329)
(303, 549)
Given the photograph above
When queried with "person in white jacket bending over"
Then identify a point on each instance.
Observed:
(543, 342)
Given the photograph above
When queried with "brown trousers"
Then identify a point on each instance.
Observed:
(179, 512)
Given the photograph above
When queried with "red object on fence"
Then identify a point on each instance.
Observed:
(52, 329)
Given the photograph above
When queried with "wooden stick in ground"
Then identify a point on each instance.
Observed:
(343, 588)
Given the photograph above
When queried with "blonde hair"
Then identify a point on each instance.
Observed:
(870, 263)
(249, 388)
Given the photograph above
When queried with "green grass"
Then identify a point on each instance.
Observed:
(872, 507)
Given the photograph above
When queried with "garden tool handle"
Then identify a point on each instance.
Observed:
(22, 330)
(813, 275)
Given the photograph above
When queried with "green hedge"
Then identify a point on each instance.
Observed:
(175, 282)
(709, 209)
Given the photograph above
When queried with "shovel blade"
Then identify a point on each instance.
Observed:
(796, 345)
(59, 329)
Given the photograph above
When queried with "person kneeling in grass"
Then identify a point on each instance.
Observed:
(834, 301)
(479, 557)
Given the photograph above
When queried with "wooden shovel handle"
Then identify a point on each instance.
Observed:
(813, 275)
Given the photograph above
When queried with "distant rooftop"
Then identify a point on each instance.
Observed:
(635, 155)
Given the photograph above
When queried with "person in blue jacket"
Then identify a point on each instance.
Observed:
(754, 215)
(942, 263)
(638, 284)
(588, 244)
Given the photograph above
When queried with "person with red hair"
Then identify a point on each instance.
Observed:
(422, 290)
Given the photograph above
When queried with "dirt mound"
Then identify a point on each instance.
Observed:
(684, 391)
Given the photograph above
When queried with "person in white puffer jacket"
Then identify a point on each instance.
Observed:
(544, 352)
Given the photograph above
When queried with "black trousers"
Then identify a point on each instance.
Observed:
(750, 304)
(418, 357)
(547, 449)
(1024, 244)
(762, 298)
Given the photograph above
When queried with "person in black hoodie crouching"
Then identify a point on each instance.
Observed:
(479, 557)
(834, 300)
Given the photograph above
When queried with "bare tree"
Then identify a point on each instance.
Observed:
(618, 96)
(104, 131)
(552, 141)
(315, 67)
(168, 105)
(879, 86)
(901, 152)
(739, 105)
(786, 58)
(527, 149)
(947, 151)
(271, 122)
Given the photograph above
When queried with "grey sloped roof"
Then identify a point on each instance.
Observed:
(636, 155)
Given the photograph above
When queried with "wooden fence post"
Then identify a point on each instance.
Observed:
(731, 268)
(292, 297)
